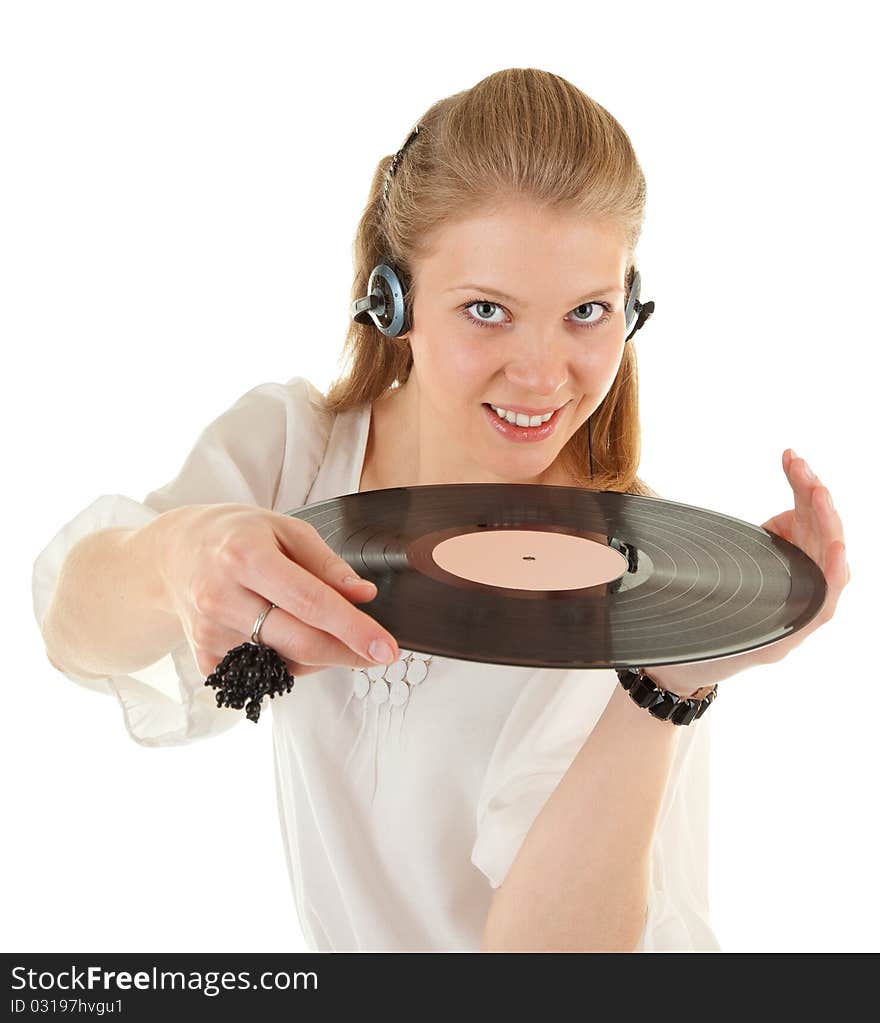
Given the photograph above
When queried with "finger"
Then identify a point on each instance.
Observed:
(298, 585)
(207, 661)
(307, 646)
(836, 578)
(304, 544)
(827, 517)
(840, 565)
(775, 525)
(802, 486)
(789, 456)
(232, 623)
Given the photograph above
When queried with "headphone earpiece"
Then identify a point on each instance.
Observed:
(383, 304)
(636, 313)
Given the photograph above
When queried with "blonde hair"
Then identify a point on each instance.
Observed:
(520, 133)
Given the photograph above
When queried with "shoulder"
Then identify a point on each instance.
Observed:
(271, 414)
(276, 432)
(273, 439)
(297, 403)
(302, 390)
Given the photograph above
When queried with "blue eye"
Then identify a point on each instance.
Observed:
(590, 307)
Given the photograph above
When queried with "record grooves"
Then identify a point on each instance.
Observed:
(551, 576)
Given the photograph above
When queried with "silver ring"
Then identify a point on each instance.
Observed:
(258, 624)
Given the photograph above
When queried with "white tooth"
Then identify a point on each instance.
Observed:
(519, 418)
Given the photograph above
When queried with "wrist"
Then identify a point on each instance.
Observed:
(665, 704)
(676, 678)
(150, 552)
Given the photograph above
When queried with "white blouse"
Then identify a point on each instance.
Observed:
(404, 791)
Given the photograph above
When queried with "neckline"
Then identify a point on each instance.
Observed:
(342, 461)
(362, 431)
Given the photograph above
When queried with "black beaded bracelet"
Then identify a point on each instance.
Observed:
(667, 706)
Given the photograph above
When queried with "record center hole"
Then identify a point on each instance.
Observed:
(559, 561)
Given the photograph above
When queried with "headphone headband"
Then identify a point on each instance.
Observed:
(395, 160)
(384, 307)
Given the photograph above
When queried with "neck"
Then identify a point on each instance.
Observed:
(398, 452)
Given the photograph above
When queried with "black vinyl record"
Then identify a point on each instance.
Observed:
(551, 576)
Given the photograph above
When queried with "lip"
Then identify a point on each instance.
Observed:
(523, 434)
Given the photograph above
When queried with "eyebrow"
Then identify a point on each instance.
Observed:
(613, 290)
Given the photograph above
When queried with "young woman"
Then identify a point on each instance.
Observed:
(429, 802)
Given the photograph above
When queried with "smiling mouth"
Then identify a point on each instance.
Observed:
(515, 432)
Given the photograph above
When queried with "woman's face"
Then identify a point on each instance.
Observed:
(520, 308)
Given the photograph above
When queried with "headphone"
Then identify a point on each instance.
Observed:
(383, 305)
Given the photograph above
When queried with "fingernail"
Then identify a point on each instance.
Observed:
(828, 500)
(351, 580)
(381, 652)
(809, 472)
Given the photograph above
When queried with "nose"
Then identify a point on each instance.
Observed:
(538, 373)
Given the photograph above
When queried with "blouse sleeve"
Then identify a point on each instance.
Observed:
(548, 724)
(275, 431)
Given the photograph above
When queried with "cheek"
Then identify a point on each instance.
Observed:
(603, 362)
(453, 364)
(595, 368)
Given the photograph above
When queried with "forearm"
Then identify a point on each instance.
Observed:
(110, 613)
(580, 879)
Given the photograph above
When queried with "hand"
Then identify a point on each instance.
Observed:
(221, 564)
(816, 529)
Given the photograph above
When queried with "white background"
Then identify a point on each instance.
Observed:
(180, 187)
